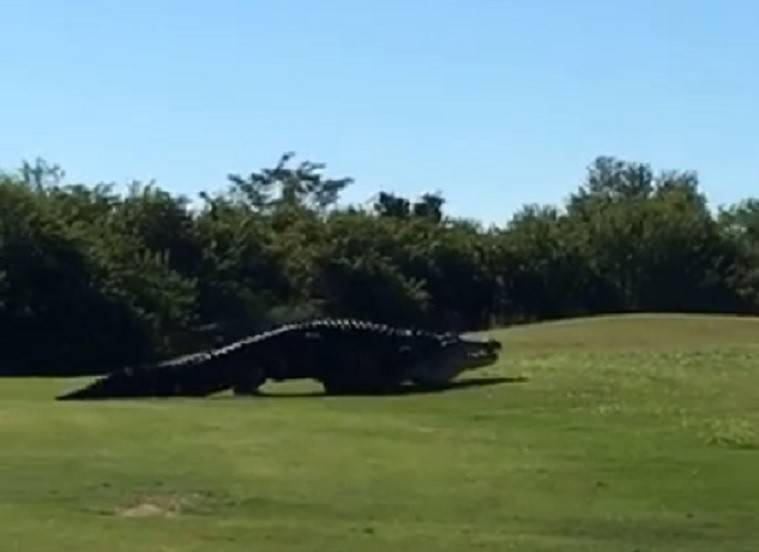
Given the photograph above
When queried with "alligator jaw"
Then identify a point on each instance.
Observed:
(459, 355)
(480, 352)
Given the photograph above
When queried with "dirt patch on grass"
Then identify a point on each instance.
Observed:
(165, 506)
(144, 510)
(732, 433)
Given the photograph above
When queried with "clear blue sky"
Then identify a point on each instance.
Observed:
(494, 103)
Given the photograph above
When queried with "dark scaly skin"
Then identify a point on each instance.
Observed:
(346, 356)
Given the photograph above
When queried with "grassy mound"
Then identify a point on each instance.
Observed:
(610, 434)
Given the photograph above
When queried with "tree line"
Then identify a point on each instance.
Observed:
(91, 279)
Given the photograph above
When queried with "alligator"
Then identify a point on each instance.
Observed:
(344, 355)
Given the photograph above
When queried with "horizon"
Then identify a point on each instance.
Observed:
(494, 105)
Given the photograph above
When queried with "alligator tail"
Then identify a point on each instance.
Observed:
(191, 376)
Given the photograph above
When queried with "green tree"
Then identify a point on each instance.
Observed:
(739, 225)
(303, 186)
(391, 205)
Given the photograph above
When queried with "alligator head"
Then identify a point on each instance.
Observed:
(454, 355)
(471, 352)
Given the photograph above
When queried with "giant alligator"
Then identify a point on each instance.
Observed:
(346, 356)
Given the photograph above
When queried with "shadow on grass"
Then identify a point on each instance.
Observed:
(402, 391)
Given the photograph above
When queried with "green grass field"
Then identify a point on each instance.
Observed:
(636, 433)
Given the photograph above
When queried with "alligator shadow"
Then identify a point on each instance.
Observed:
(402, 391)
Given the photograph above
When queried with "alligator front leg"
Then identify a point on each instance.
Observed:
(359, 372)
(432, 376)
(249, 382)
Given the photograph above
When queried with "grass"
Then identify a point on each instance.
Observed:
(634, 433)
